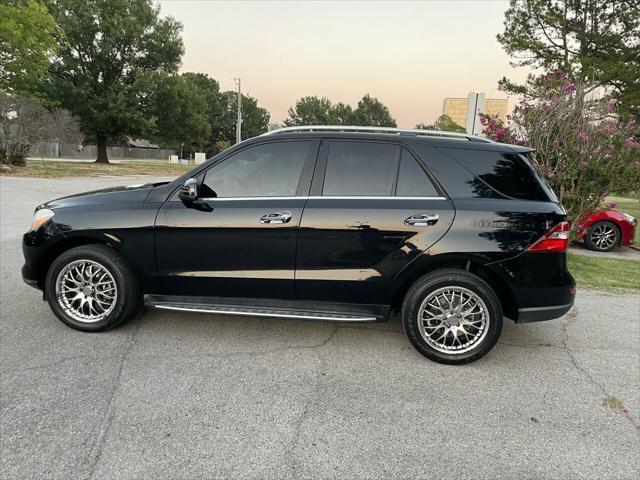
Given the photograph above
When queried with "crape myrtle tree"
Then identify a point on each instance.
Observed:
(583, 147)
(106, 53)
(320, 111)
(596, 42)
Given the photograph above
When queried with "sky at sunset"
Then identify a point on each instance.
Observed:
(408, 54)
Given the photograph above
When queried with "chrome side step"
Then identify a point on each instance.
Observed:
(263, 312)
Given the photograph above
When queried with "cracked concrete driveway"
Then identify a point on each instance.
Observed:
(193, 396)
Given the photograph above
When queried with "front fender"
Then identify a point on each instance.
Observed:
(128, 229)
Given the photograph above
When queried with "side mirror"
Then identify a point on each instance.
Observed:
(188, 192)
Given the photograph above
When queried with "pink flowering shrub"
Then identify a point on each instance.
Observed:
(582, 148)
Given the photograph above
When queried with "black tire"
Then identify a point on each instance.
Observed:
(466, 281)
(127, 298)
(598, 228)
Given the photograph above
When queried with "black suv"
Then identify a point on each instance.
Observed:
(325, 223)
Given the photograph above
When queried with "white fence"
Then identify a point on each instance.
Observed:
(88, 152)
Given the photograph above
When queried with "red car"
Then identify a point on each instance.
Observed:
(603, 229)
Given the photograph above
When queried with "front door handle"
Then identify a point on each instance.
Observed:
(276, 217)
(422, 219)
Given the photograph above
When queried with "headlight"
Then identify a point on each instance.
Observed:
(40, 217)
(630, 218)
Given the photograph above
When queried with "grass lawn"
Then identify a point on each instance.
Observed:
(605, 273)
(630, 206)
(37, 168)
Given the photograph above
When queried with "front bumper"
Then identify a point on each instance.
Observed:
(30, 278)
(36, 246)
(628, 234)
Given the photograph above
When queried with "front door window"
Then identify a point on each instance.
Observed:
(267, 170)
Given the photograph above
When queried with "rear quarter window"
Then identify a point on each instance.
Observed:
(509, 174)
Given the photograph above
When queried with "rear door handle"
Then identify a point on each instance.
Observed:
(276, 217)
(422, 219)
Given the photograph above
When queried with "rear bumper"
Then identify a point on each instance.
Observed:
(539, 314)
(539, 284)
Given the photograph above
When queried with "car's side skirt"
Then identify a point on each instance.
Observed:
(258, 307)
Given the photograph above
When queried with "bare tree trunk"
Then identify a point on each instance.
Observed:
(102, 149)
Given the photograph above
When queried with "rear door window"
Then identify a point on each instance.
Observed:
(361, 169)
(413, 181)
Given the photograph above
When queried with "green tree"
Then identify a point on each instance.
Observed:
(372, 112)
(101, 72)
(26, 43)
(179, 106)
(320, 111)
(213, 103)
(255, 119)
(594, 41)
(444, 123)
(310, 111)
(341, 114)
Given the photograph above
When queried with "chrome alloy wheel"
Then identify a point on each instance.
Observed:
(86, 291)
(603, 236)
(453, 320)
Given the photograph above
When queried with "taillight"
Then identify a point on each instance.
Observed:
(555, 240)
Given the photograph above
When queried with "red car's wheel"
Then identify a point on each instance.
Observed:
(602, 236)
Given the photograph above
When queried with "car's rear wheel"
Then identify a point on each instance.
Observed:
(91, 288)
(452, 316)
(602, 236)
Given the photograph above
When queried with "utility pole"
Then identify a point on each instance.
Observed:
(475, 106)
(239, 121)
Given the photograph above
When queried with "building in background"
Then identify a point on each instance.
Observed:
(459, 110)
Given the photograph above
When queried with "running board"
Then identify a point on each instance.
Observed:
(276, 311)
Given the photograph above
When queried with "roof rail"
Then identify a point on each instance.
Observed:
(388, 130)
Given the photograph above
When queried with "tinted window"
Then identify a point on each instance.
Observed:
(456, 180)
(272, 169)
(508, 174)
(529, 159)
(359, 168)
(412, 179)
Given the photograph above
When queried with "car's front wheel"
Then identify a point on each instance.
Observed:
(602, 236)
(452, 316)
(91, 288)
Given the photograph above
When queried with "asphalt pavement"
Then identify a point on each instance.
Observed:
(171, 396)
(621, 253)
